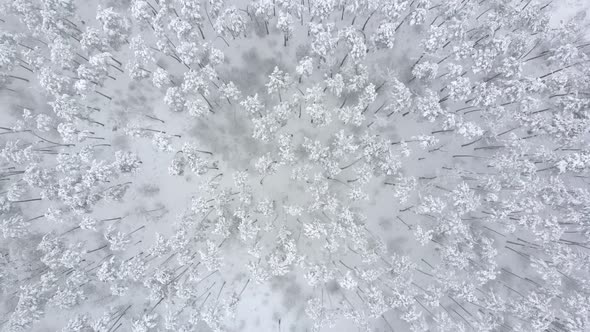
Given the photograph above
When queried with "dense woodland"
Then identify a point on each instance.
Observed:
(294, 165)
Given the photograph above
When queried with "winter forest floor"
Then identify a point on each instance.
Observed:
(313, 165)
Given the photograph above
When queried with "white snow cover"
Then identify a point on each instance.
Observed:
(294, 165)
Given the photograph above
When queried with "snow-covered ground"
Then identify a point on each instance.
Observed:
(294, 165)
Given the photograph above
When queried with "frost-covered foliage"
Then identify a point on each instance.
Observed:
(371, 165)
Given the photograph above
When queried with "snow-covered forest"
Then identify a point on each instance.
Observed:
(294, 165)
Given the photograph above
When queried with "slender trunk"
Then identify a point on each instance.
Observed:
(472, 142)
(35, 218)
(207, 101)
(343, 102)
(243, 288)
(27, 200)
(490, 147)
(18, 78)
(117, 61)
(111, 219)
(220, 289)
(342, 62)
(367, 21)
(380, 107)
(97, 249)
(138, 229)
(48, 141)
(117, 68)
(389, 325)
(27, 68)
(154, 307)
(119, 318)
(102, 94)
(442, 131)
(351, 164)
(415, 63)
(485, 11)
(468, 156)
(70, 230)
(226, 43)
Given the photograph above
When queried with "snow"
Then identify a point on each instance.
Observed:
(377, 166)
